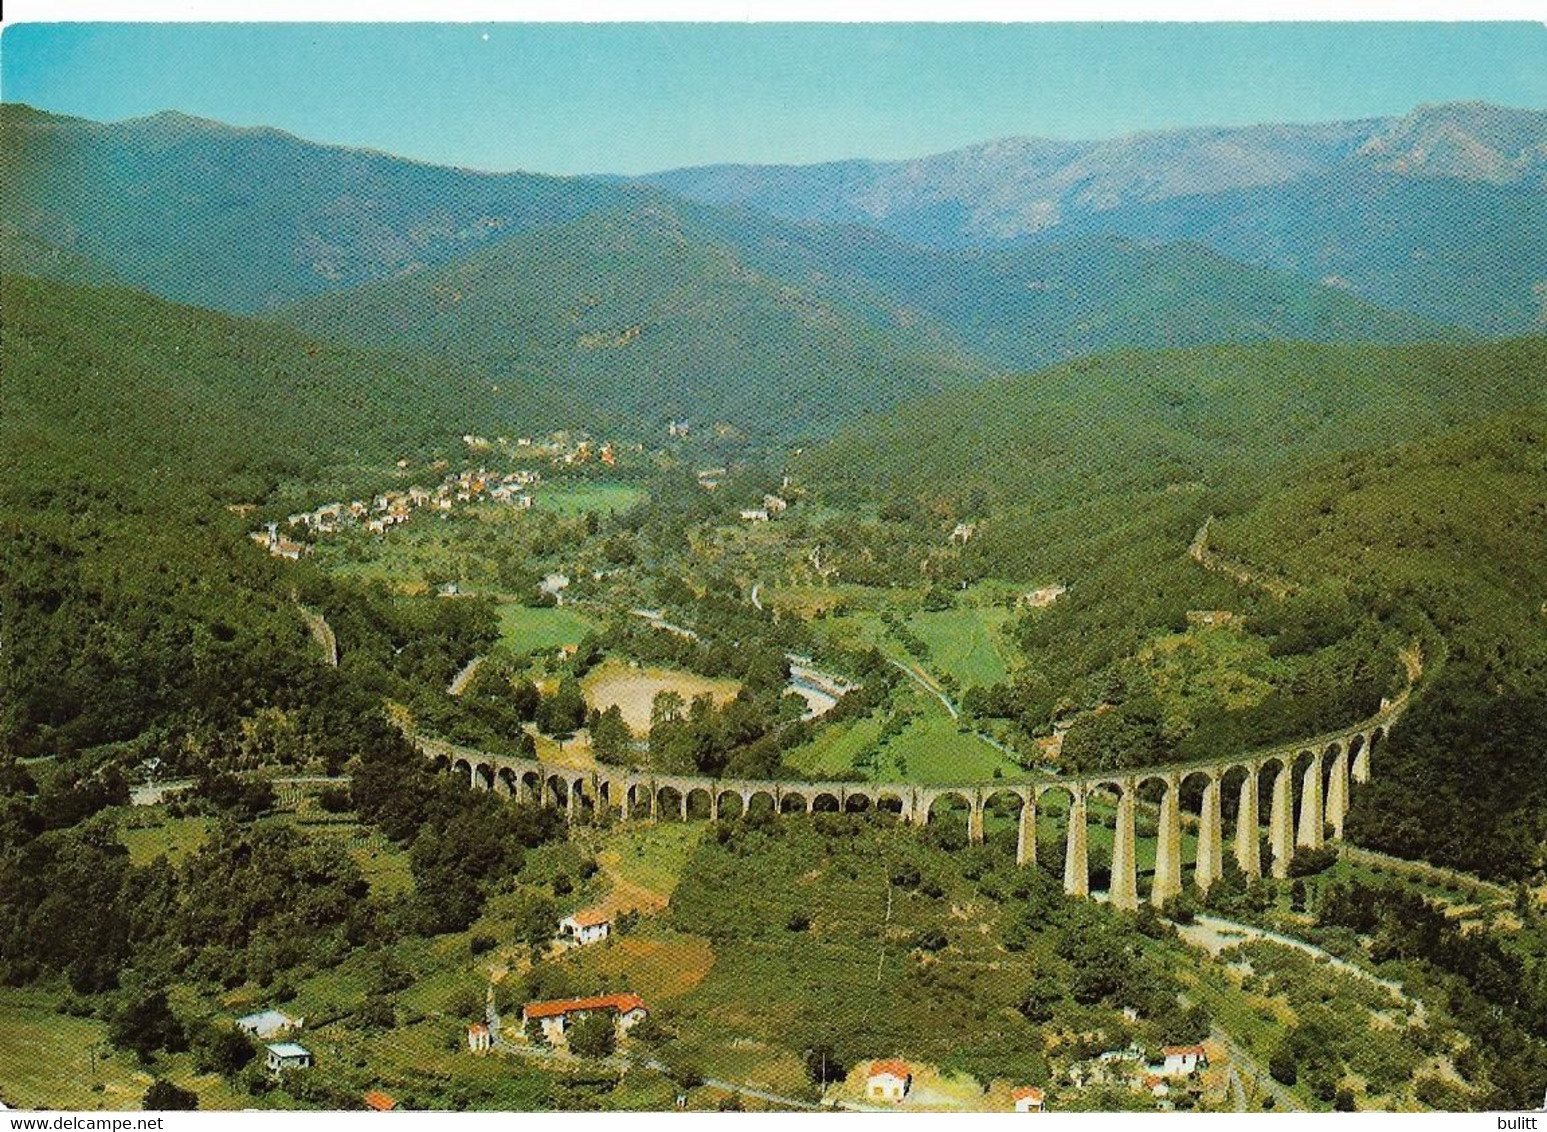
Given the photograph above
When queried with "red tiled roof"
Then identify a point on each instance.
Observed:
(622, 1003)
(592, 917)
(478, 1028)
(1181, 1051)
(375, 1099)
(891, 1065)
(1025, 1091)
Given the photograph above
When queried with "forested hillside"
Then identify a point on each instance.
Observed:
(247, 219)
(646, 312)
(1455, 527)
(1363, 498)
(132, 599)
(785, 331)
(1177, 420)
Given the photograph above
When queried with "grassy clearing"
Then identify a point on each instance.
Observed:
(525, 628)
(834, 749)
(154, 835)
(581, 497)
(964, 642)
(59, 1062)
(650, 858)
(933, 750)
(615, 682)
(1208, 670)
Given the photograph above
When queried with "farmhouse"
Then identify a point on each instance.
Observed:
(1028, 1098)
(378, 1101)
(268, 1024)
(1183, 1060)
(288, 1055)
(585, 927)
(555, 1016)
(888, 1080)
(479, 1038)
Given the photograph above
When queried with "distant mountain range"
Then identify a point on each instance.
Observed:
(788, 301)
(1441, 213)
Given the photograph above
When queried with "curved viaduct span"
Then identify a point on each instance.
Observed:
(1324, 764)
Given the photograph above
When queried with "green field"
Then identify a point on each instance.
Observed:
(586, 497)
(172, 838)
(525, 628)
(964, 643)
(834, 749)
(932, 750)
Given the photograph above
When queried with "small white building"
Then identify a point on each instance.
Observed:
(479, 1038)
(585, 927)
(754, 514)
(888, 1080)
(1182, 1061)
(284, 1056)
(1029, 1098)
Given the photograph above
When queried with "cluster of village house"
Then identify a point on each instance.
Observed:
(888, 1080)
(1130, 1066)
(387, 510)
(563, 448)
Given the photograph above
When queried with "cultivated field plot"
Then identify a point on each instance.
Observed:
(633, 690)
(526, 628)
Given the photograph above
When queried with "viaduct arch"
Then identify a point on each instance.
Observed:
(1307, 783)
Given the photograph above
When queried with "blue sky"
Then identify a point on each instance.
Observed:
(577, 98)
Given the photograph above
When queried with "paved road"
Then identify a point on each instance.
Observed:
(462, 679)
(1215, 934)
(929, 686)
(1283, 1099)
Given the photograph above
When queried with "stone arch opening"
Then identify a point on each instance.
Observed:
(857, 803)
(793, 802)
(639, 801)
(892, 804)
(585, 800)
(668, 804)
(440, 764)
(1053, 805)
(1310, 795)
(824, 802)
(483, 776)
(531, 786)
(1002, 809)
(730, 805)
(463, 770)
(558, 792)
(948, 819)
(506, 783)
(761, 803)
(1101, 813)
(700, 804)
(1241, 808)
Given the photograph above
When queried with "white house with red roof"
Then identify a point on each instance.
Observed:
(1029, 1098)
(1182, 1061)
(888, 1080)
(555, 1016)
(479, 1038)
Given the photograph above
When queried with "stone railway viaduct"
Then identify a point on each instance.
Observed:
(1325, 766)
